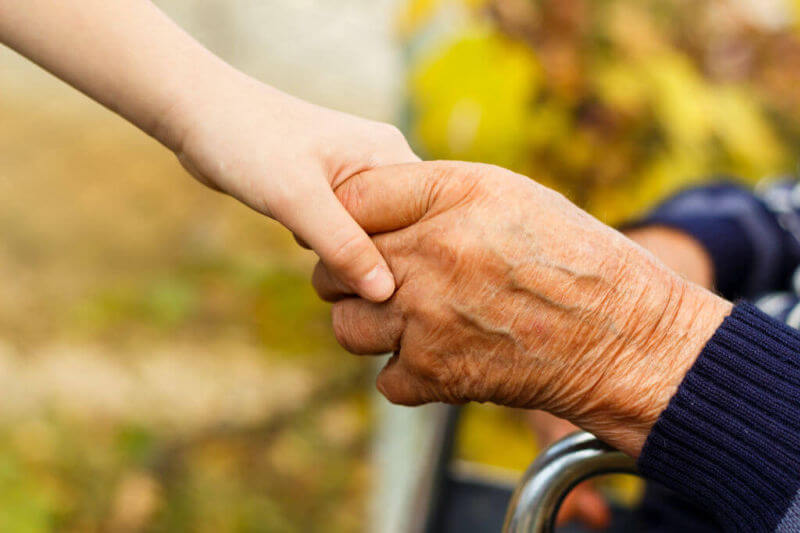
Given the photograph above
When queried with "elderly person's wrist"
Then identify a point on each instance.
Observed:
(675, 321)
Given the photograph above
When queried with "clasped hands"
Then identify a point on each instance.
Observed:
(508, 293)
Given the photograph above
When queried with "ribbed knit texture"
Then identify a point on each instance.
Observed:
(730, 437)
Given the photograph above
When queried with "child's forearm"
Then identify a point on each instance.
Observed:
(277, 154)
(126, 54)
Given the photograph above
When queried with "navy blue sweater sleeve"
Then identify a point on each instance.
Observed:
(750, 237)
(729, 439)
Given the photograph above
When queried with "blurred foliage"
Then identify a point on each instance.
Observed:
(278, 306)
(165, 364)
(484, 430)
(614, 102)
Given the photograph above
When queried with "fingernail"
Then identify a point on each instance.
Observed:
(378, 284)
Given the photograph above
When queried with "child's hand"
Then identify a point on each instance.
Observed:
(275, 153)
(283, 157)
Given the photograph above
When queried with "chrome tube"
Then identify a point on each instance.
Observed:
(553, 474)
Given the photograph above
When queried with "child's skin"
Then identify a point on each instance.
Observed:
(275, 153)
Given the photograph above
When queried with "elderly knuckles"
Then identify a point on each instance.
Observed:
(506, 291)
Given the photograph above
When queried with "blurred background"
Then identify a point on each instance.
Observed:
(164, 363)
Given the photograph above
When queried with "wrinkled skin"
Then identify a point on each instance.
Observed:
(509, 293)
(683, 255)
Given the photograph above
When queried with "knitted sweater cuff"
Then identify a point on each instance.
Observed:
(729, 438)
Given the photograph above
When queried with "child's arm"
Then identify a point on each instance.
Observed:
(275, 153)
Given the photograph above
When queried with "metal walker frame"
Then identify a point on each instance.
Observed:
(556, 471)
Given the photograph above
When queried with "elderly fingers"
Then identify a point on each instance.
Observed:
(367, 328)
(386, 198)
(401, 386)
(328, 286)
(389, 198)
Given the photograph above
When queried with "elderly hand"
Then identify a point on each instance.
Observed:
(509, 293)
